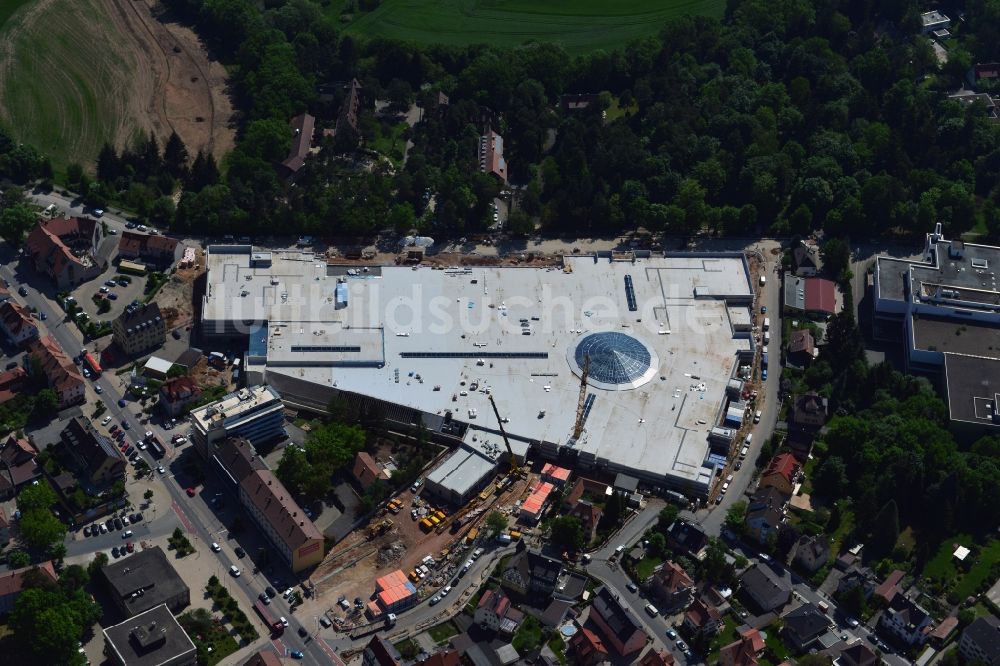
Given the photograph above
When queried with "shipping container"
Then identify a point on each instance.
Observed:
(471, 536)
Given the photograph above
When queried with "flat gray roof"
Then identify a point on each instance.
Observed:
(958, 337)
(152, 638)
(439, 340)
(973, 385)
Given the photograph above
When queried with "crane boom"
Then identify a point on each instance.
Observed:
(578, 426)
(502, 431)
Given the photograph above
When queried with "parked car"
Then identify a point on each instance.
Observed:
(235, 571)
(118, 523)
(110, 283)
(240, 552)
(632, 587)
(106, 420)
(216, 547)
(190, 492)
(86, 530)
(296, 654)
(160, 470)
(113, 296)
(263, 597)
(98, 390)
(130, 546)
(115, 553)
(127, 534)
(302, 632)
(671, 634)
(436, 598)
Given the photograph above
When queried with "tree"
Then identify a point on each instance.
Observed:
(18, 559)
(735, 516)
(175, 156)
(836, 258)
(667, 517)
(46, 404)
(658, 543)
(567, 532)
(148, 495)
(885, 530)
(496, 522)
(98, 563)
(40, 529)
(15, 221)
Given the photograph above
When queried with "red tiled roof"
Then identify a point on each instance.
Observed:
(45, 241)
(673, 578)
(179, 388)
(821, 295)
(282, 513)
(446, 658)
(12, 582)
(783, 464)
(555, 472)
(944, 629)
(16, 318)
(265, 657)
(754, 640)
(585, 642)
(10, 383)
(656, 658)
(887, 590)
(699, 613)
(59, 370)
(134, 243)
(589, 514)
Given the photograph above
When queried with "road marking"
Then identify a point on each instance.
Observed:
(180, 514)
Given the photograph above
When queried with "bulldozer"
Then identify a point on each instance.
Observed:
(379, 528)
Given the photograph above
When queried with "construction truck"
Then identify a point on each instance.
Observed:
(379, 528)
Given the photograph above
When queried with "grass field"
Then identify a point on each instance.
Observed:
(8, 7)
(62, 82)
(579, 25)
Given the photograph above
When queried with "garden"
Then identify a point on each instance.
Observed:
(231, 609)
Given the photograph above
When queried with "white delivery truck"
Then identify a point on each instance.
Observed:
(767, 323)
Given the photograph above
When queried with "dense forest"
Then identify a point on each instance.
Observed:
(788, 116)
(785, 117)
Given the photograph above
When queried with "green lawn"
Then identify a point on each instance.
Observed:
(528, 636)
(442, 632)
(579, 26)
(644, 567)
(981, 567)
(941, 567)
(389, 141)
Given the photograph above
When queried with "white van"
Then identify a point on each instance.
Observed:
(50, 209)
(749, 439)
(767, 323)
(763, 280)
(744, 452)
(767, 337)
(651, 609)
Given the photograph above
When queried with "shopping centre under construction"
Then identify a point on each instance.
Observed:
(618, 362)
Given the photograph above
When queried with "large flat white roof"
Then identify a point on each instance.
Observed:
(440, 340)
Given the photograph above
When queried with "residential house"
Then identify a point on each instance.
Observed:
(178, 393)
(16, 322)
(656, 657)
(12, 583)
(765, 513)
(812, 296)
(61, 373)
(302, 128)
(154, 248)
(980, 641)
(12, 383)
(671, 586)
(94, 456)
(530, 572)
(812, 553)
(803, 625)
(986, 103)
(491, 159)
(620, 628)
(367, 471)
(581, 487)
(496, 613)
(943, 631)
(807, 259)
(702, 619)
(887, 589)
(284, 523)
(66, 249)
(380, 652)
(557, 476)
(687, 538)
(17, 466)
(442, 658)
(348, 116)
(139, 329)
(144, 580)
(265, 657)
(577, 101)
(857, 577)
(744, 651)
(587, 648)
(763, 590)
(589, 515)
(933, 21)
(857, 654)
(781, 473)
(809, 411)
(906, 620)
(985, 70)
(802, 347)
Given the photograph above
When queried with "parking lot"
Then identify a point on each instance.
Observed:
(118, 296)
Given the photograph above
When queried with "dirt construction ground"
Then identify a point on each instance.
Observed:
(351, 567)
(174, 297)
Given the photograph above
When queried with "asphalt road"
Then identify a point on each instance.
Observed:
(200, 522)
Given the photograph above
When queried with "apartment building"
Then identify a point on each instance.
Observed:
(255, 413)
(139, 329)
